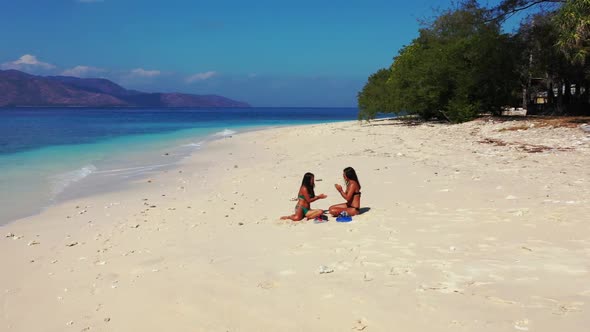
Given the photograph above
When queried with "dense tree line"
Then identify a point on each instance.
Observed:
(462, 64)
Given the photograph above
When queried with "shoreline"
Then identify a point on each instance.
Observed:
(160, 161)
(461, 233)
(58, 154)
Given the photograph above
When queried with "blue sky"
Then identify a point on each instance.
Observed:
(267, 53)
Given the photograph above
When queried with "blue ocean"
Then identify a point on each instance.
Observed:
(49, 155)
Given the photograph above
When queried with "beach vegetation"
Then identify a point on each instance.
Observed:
(457, 67)
(374, 98)
(569, 18)
(462, 64)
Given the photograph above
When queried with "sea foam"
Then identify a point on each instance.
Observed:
(61, 181)
(192, 145)
(131, 171)
(225, 133)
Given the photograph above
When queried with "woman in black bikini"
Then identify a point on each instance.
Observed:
(352, 195)
(305, 196)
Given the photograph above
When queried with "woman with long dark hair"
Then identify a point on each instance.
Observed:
(352, 194)
(305, 196)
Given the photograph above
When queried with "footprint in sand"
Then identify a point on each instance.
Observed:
(324, 269)
(304, 246)
(396, 271)
(499, 300)
(436, 287)
(360, 324)
(522, 325)
(268, 284)
(566, 308)
(519, 212)
(287, 272)
(371, 264)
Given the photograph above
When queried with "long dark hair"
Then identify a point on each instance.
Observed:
(351, 174)
(306, 182)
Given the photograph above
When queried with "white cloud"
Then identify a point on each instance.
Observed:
(27, 62)
(200, 76)
(82, 71)
(140, 72)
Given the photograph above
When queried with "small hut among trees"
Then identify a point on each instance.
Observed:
(463, 64)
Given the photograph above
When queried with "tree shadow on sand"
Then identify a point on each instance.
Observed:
(546, 120)
(403, 122)
(539, 120)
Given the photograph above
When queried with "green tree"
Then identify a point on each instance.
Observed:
(507, 8)
(555, 52)
(459, 66)
(572, 19)
(374, 98)
(573, 22)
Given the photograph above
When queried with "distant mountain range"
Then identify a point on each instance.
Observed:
(19, 89)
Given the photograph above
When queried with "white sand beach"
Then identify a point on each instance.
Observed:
(468, 227)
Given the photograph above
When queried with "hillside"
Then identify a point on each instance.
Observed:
(19, 89)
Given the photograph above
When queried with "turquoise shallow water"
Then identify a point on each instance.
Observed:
(34, 179)
(49, 155)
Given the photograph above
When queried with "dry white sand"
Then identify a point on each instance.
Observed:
(467, 229)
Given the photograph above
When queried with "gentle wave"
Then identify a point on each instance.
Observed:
(131, 170)
(61, 181)
(225, 133)
(193, 145)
